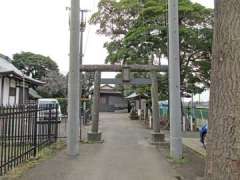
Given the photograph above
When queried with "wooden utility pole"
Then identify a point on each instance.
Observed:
(73, 86)
(82, 29)
(174, 82)
(223, 138)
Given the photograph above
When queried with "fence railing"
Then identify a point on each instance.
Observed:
(24, 130)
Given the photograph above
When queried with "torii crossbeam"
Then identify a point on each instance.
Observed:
(119, 68)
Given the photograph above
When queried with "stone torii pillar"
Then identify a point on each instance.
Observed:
(95, 135)
(157, 137)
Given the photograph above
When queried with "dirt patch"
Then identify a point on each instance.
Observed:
(190, 167)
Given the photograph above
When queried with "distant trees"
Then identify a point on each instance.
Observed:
(56, 85)
(42, 68)
(223, 139)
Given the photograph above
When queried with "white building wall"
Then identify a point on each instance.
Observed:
(12, 98)
(17, 95)
(0, 90)
(13, 83)
(6, 91)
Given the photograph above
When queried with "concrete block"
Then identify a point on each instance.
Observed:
(157, 138)
(94, 137)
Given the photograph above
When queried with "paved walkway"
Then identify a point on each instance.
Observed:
(195, 145)
(125, 155)
(190, 140)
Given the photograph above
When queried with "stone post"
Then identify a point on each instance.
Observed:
(157, 137)
(95, 135)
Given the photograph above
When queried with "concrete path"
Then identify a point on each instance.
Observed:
(195, 145)
(190, 140)
(125, 155)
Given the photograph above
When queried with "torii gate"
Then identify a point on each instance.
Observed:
(174, 81)
(95, 135)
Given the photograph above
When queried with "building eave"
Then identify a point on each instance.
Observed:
(22, 77)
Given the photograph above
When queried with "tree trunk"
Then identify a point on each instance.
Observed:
(223, 145)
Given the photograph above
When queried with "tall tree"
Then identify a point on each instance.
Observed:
(34, 65)
(223, 148)
(88, 80)
(55, 87)
(138, 29)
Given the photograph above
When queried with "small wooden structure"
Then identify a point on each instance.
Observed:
(111, 100)
(138, 103)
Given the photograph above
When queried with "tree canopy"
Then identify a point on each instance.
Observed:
(138, 29)
(34, 65)
(43, 68)
(55, 87)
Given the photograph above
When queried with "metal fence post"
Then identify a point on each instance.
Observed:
(35, 131)
(56, 123)
(21, 132)
(49, 124)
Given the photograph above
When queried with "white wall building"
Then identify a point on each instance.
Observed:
(14, 85)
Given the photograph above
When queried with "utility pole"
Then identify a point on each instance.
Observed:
(82, 29)
(73, 86)
(174, 81)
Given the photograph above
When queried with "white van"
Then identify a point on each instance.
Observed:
(48, 102)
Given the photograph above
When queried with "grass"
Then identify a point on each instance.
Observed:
(177, 161)
(92, 142)
(45, 154)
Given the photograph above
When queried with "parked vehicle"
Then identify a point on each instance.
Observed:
(46, 103)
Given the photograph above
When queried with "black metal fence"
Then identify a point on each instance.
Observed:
(24, 130)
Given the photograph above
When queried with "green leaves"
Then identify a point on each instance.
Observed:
(45, 69)
(138, 29)
(34, 65)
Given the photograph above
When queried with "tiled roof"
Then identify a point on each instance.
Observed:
(137, 95)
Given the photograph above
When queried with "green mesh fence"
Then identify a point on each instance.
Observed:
(198, 113)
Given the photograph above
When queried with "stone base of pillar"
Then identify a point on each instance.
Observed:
(157, 138)
(133, 116)
(94, 137)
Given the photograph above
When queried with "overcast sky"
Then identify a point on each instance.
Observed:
(41, 26)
